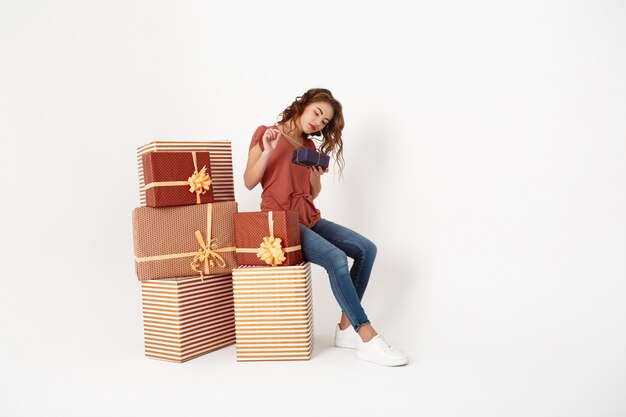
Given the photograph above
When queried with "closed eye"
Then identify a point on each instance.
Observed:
(325, 121)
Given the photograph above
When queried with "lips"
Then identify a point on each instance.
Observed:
(312, 127)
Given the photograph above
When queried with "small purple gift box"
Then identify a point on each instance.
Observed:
(310, 158)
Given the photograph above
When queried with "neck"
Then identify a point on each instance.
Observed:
(291, 130)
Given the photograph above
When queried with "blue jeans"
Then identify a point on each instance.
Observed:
(329, 245)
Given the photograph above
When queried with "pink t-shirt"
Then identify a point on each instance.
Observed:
(286, 186)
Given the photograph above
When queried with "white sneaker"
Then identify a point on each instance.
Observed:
(380, 352)
(346, 338)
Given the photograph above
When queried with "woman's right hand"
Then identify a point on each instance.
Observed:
(270, 140)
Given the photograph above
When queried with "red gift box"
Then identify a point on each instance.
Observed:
(221, 165)
(177, 178)
(267, 238)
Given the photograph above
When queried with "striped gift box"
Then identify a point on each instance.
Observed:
(187, 317)
(221, 165)
(273, 312)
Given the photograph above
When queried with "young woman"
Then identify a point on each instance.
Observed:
(287, 186)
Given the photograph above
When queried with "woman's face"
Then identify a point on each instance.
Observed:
(316, 117)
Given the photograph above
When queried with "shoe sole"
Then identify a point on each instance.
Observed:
(374, 359)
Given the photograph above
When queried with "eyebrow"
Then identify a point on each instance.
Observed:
(322, 113)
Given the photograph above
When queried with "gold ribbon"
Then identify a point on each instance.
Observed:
(270, 250)
(208, 255)
(199, 182)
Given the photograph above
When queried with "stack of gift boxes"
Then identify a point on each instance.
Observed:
(211, 276)
(187, 202)
(273, 304)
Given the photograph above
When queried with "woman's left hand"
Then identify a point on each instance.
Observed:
(318, 170)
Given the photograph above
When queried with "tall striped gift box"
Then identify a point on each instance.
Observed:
(273, 312)
(185, 318)
(221, 165)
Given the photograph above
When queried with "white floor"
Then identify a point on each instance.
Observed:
(72, 355)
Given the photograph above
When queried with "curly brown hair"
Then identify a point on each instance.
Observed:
(331, 142)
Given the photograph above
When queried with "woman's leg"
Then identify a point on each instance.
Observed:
(329, 244)
(356, 246)
(321, 252)
(362, 251)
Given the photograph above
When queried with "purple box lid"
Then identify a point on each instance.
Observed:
(309, 158)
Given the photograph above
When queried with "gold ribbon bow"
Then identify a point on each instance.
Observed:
(199, 182)
(206, 254)
(271, 250)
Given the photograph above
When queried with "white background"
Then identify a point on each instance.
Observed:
(485, 149)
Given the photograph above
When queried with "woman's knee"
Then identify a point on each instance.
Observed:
(369, 249)
(337, 258)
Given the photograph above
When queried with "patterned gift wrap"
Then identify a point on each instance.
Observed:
(273, 312)
(310, 158)
(184, 318)
(184, 241)
(221, 165)
(275, 235)
(177, 178)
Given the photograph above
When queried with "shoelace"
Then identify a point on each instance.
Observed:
(383, 344)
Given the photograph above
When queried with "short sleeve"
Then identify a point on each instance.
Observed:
(257, 137)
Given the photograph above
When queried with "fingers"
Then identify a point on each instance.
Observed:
(318, 170)
(271, 134)
(269, 138)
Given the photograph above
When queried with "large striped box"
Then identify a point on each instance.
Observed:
(273, 312)
(187, 317)
(221, 165)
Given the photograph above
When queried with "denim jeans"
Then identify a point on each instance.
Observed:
(329, 245)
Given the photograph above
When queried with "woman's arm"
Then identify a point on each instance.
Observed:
(257, 162)
(316, 180)
(257, 159)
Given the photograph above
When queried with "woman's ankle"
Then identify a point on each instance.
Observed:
(367, 332)
(344, 323)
